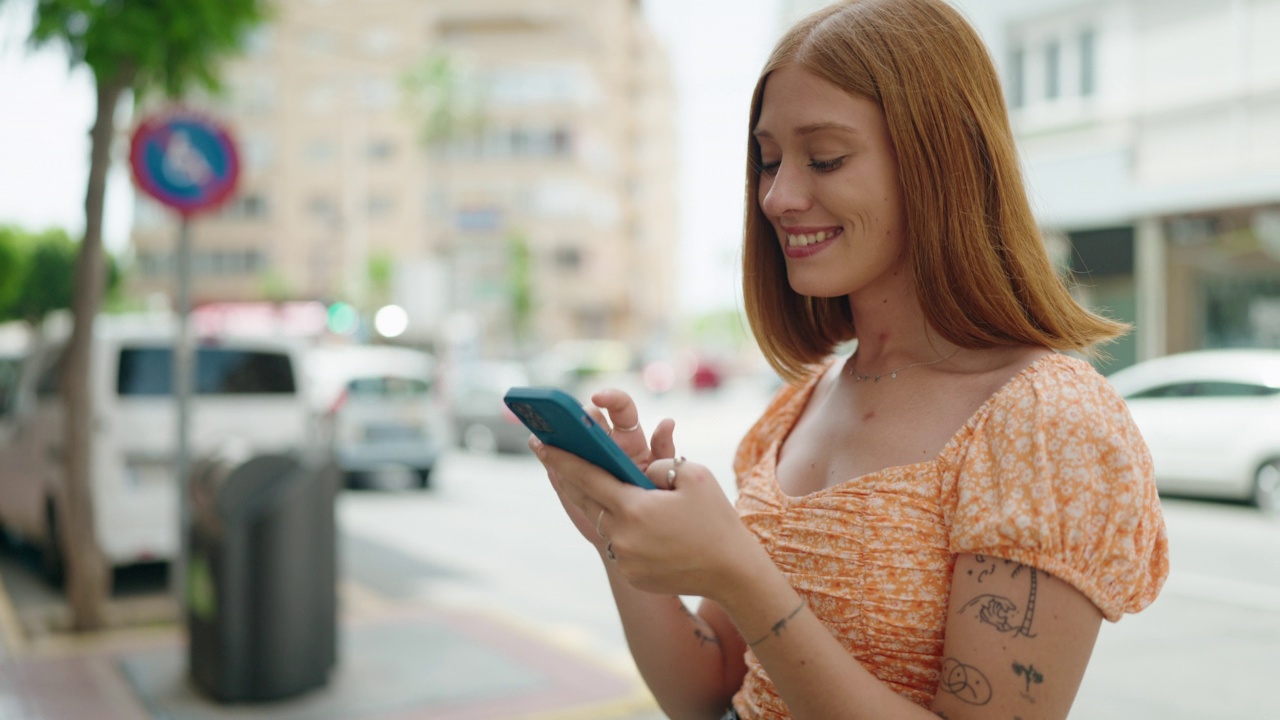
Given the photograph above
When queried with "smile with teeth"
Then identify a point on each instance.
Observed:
(806, 239)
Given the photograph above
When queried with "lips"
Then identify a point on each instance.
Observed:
(805, 241)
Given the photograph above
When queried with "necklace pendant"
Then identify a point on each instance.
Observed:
(893, 375)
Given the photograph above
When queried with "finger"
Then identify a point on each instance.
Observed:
(663, 443)
(584, 483)
(623, 414)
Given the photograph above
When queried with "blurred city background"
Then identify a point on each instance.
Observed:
(440, 199)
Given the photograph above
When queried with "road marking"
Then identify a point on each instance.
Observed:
(1241, 593)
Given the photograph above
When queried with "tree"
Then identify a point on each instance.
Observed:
(36, 271)
(131, 47)
(39, 279)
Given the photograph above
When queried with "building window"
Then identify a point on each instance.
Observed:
(319, 41)
(321, 207)
(561, 142)
(380, 42)
(567, 258)
(209, 263)
(258, 42)
(380, 205)
(377, 93)
(380, 149)
(1088, 62)
(1017, 83)
(257, 151)
(1053, 70)
(249, 206)
(320, 151)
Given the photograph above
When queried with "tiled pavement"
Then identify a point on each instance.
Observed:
(397, 661)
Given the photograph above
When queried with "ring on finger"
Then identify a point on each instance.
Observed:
(598, 521)
(633, 428)
(671, 474)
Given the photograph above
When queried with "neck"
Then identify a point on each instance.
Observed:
(893, 331)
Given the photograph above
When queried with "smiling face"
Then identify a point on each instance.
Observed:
(830, 187)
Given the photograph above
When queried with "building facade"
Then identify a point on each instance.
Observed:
(501, 166)
(1148, 130)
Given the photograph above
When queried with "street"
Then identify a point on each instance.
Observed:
(491, 535)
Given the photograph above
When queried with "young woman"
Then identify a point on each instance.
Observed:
(936, 524)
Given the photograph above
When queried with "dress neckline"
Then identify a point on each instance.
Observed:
(802, 400)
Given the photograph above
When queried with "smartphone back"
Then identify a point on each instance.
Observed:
(560, 421)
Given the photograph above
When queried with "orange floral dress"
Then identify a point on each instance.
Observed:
(1049, 472)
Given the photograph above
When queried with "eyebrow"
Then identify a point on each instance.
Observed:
(811, 129)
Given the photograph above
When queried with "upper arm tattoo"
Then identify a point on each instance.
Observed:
(998, 611)
(965, 682)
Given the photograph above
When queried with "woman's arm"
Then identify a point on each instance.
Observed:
(691, 661)
(1017, 644)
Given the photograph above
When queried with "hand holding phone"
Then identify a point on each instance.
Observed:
(560, 421)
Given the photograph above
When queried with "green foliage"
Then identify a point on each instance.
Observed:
(165, 44)
(381, 271)
(520, 281)
(37, 272)
(39, 280)
(12, 266)
(441, 100)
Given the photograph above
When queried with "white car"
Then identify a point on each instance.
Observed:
(1212, 421)
(384, 408)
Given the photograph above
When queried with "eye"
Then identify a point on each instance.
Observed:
(826, 165)
(769, 168)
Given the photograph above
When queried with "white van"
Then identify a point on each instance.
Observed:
(247, 391)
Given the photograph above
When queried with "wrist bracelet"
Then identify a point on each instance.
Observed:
(778, 626)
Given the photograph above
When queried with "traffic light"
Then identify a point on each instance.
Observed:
(343, 319)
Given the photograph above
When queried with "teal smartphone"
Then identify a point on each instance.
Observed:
(560, 421)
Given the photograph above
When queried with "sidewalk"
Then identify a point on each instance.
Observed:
(396, 661)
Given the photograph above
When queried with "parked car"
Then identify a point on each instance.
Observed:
(1212, 421)
(248, 392)
(481, 422)
(384, 411)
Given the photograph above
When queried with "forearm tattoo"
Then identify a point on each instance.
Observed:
(779, 626)
(702, 629)
(1000, 612)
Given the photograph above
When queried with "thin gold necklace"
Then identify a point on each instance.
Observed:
(892, 374)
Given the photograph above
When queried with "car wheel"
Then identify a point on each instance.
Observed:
(51, 566)
(479, 439)
(1266, 487)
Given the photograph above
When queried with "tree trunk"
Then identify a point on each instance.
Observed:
(88, 577)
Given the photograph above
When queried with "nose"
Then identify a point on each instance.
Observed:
(787, 191)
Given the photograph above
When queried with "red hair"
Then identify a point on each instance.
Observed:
(982, 273)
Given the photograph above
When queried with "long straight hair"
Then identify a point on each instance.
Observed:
(982, 273)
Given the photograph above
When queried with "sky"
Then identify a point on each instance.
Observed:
(716, 48)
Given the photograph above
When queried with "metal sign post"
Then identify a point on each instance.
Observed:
(186, 161)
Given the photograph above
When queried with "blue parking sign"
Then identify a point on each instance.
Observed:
(185, 160)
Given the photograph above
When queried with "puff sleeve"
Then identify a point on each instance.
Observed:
(1058, 477)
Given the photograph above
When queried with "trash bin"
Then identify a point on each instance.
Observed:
(261, 577)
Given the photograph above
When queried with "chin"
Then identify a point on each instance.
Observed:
(816, 287)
